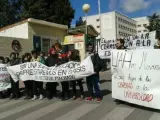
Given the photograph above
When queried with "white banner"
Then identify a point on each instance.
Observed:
(105, 47)
(4, 78)
(136, 77)
(141, 41)
(39, 72)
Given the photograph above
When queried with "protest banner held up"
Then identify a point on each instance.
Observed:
(135, 76)
(140, 41)
(4, 78)
(39, 72)
(105, 47)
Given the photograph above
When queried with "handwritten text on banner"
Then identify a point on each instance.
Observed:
(136, 77)
(39, 72)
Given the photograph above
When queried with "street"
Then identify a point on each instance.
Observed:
(76, 110)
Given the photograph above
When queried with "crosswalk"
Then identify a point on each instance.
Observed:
(71, 110)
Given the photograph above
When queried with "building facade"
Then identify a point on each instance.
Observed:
(113, 25)
(142, 23)
(31, 34)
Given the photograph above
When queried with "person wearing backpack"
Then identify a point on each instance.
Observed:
(93, 80)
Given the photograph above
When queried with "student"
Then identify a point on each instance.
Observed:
(120, 44)
(63, 58)
(28, 84)
(37, 85)
(42, 58)
(74, 56)
(51, 87)
(93, 80)
(14, 85)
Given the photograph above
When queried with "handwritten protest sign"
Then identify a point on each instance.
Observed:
(39, 72)
(4, 78)
(144, 40)
(105, 47)
(136, 77)
(140, 41)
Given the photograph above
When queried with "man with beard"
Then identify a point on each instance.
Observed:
(120, 44)
(51, 87)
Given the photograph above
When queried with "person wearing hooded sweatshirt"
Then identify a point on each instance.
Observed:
(51, 87)
(15, 60)
(37, 85)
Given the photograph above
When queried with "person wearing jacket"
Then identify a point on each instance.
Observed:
(37, 85)
(62, 58)
(74, 56)
(28, 84)
(51, 87)
(15, 60)
(93, 80)
(120, 44)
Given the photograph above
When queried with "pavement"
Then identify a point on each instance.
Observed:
(76, 110)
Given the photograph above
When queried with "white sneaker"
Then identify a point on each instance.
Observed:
(41, 97)
(35, 97)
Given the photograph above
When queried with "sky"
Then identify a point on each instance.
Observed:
(131, 8)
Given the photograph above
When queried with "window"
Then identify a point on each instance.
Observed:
(139, 31)
(98, 26)
(144, 25)
(139, 25)
(144, 30)
(97, 20)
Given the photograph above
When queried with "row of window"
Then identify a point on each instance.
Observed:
(124, 34)
(142, 31)
(126, 28)
(126, 22)
(144, 25)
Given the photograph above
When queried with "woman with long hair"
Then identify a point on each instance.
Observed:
(76, 57)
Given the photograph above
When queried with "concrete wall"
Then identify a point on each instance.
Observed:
(18, 31)
(6, 45)
(46, 31)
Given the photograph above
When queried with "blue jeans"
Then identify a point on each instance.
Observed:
(92, 82)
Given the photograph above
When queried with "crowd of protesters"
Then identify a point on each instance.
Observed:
(56, 56)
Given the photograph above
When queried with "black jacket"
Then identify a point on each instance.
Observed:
(15, 61)
(97, 62)
(52, 60)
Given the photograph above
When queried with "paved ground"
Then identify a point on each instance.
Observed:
(76, 110)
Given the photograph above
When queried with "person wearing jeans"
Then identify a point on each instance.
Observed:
(93, 80)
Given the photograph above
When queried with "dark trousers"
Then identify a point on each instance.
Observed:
(51, 88)
(65, 89)
(73, 83)
(29, 88)
(14, 87)
(37, 87)
(92, 83)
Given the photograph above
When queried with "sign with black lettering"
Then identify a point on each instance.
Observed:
(105, 47)
(141, 41)
(39, 72)
(135, 76)
(4, 78)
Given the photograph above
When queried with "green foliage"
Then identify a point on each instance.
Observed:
(80, 22)
(154, 24)
(58, 11)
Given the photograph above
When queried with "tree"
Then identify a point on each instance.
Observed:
(80, 22)
(154, 24)
(58, 11)
(9, 11)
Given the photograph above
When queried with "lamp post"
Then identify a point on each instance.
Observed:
(86, 8)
